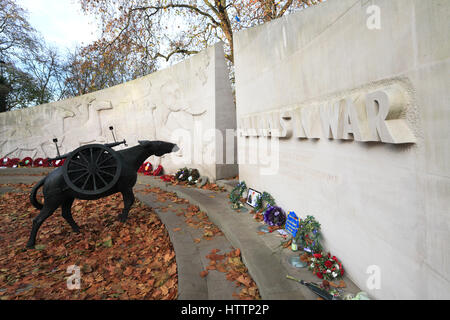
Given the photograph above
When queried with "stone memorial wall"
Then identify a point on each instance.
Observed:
(189, 104)
(343, 114)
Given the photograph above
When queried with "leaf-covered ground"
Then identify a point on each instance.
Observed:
(229, 263)
(134, 260)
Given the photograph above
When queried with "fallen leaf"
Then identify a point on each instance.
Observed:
(128, 271)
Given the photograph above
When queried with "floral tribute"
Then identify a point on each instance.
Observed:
(308, 235)
(158, 171)
(265, 198)
(26, 162)
(193, 176)
(58, 163)
(236, 195)
(39, 162)
(182, 174)
(29, 162)
(274, 216)
(146, 168)
(167, 178)
(14, 162)
(4, 162)
(326, 266)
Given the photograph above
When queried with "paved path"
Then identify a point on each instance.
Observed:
(262, 254)
(191, 256)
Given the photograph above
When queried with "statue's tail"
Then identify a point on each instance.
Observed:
(33, 193)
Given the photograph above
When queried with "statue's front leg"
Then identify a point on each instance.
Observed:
(128, 200)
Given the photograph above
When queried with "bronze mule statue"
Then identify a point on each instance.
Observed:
(57, 192)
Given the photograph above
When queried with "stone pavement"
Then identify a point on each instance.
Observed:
(20, 175)
(266, 260)
(191, 256)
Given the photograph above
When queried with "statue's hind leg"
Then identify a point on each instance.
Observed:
(47, 211)
(128, 200)
(67, 214)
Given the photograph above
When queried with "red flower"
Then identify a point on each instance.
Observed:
(58, 163)
(328, 264)
(27, 162)
(158, 170)
(319, 275)
(167, 178)
(342, 272)
(39, 162)
(317, 255)
(46, 163)
(334, 258)
(5, 162)
(14, 162)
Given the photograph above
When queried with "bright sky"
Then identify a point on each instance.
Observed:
(61, 22)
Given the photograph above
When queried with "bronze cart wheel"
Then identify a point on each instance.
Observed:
(92, 169)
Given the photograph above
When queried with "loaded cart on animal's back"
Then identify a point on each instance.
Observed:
(91, 172)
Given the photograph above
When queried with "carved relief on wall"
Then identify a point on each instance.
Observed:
(150, 109)
(86, 125)
(30, 133)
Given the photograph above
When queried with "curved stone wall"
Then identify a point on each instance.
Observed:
(179, 104)
(349, 102)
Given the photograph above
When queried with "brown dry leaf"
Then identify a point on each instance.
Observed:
(204, 273)
(108, 271)
(164, 290)
(172, 269)
(221, 268)
(169, 256)
(305, 257)
(287, 243)
(128, 271)
(176, 229)
(244, 280)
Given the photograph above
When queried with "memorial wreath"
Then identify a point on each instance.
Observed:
(308, 235)
(265, 197)
(236, 195)
(274, 216)
(325, 266)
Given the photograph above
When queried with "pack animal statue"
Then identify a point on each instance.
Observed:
(92, 172)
